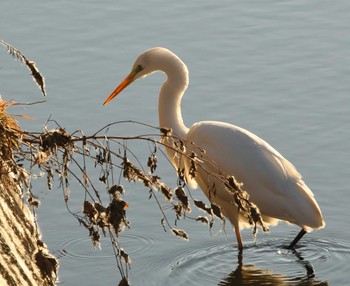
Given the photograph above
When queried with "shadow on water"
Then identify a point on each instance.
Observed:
(249, 274)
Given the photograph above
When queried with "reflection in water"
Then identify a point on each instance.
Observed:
(310, 273)
(249, 275)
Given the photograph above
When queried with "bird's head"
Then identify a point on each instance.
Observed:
(150, 61)
(143, 66)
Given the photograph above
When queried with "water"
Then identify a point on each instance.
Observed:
(277, 68)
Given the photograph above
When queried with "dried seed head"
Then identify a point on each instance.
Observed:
(180, 232)
(217, 211)
(116, 215)
(182, 197)
(178, 210)
(203, 219)
(53, 139)
(232, 184)
(203, 206)
(166, 191)
(152, 163)
(193, 168)
(166, 131)
(125, 256)
(33, 201)
(116, 190)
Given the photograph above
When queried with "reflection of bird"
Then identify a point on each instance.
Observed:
(250, 274)
(272, 182)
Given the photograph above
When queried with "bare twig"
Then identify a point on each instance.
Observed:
(29, 103)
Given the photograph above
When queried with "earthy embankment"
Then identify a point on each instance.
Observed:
(24, 260)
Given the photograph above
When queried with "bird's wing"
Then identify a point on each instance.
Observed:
(244, 155)
(271, 181)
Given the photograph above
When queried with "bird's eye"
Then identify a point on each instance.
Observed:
(139, 68)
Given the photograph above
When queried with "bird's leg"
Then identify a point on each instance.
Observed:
(297, 238)
(239, 239)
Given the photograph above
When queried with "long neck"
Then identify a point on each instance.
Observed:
(169, 105)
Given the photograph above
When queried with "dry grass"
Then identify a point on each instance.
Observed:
(10, 132)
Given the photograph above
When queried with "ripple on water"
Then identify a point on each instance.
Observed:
(216, 262)
(82, 248)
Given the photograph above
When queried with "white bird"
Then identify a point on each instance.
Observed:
(271, 181)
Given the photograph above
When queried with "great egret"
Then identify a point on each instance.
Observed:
(271, 181)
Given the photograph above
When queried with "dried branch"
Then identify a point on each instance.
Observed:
(58, 154)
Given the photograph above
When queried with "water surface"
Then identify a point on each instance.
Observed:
(277, 68)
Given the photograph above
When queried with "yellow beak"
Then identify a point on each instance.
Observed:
(129, 79)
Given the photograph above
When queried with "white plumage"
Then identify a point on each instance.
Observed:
(271, 181)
